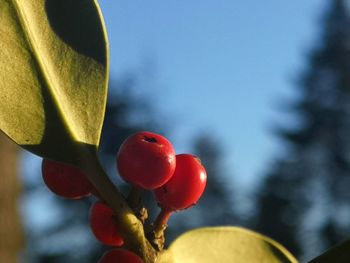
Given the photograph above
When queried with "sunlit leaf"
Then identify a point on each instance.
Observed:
(337, 254)
(53, 75)
(225, 245)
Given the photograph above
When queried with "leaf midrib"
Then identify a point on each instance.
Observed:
(39, 62)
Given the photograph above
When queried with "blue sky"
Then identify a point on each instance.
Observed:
(224, 66)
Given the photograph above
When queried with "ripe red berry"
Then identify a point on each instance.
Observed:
(186, 185)
(104, 226)
(146, 160)
(120, 256)
(65, 180)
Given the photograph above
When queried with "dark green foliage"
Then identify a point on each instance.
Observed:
(304, 202)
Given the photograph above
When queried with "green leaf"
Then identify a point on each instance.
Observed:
(339, 254)
(53, 75)
(225, 244)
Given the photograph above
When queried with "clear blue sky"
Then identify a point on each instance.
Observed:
(223, 66)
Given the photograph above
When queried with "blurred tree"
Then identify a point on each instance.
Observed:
(218, 194)
(11, 232)
(126, 113)
(280, 205)
(215, 207)
(304, 201)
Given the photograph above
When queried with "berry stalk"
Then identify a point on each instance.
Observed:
(160, 224)
(135, 202)
(131, 226)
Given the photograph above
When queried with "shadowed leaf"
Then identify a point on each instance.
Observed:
(338, 254)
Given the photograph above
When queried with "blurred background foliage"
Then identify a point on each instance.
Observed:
(302, 201)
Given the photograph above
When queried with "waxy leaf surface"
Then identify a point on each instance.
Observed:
(225, 245)
(53, 75)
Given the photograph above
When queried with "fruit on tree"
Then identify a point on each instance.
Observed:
(146, 160)
(185, 186)
(65, 180)
(120, 256)
(104, 226)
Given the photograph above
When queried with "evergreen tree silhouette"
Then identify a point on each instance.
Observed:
(304, 200)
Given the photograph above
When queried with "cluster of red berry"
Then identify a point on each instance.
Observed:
(146, 161)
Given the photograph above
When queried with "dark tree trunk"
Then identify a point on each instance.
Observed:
(11, 232)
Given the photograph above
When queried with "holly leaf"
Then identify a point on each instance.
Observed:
(225, 244)
(53, 75)
(339, 254)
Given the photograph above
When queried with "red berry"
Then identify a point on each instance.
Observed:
(65, 180)
(146, 160)
(120, 256)
(186, 185)
(104, 226)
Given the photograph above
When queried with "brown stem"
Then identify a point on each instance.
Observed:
(131, 226)
(156, 236)
(135, 203)
(160, 224)
(134, 197)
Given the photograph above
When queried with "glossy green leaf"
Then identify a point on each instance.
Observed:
(338, 254)
(53, 75)
(225, 245)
